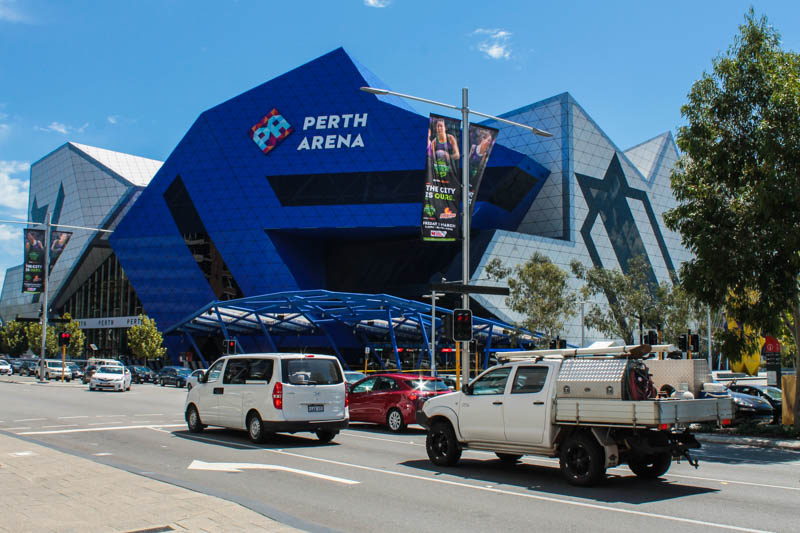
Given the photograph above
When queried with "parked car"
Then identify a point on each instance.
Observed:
(28, 367)
(773, 395)
(173, 375)
(88, 372)
(5, 367)
(16, 365)
(77, 373)
(142, 374)
(55, 369)
(270, 392)
(111, 377)
(193, 378)
(392, 399)
(750, 409)
(352, 376)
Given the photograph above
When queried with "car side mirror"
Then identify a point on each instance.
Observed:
(203, 378)
(467, 389)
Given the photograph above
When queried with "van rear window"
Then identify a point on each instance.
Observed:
(310, 371)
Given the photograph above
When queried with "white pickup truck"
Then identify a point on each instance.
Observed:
(528, 405)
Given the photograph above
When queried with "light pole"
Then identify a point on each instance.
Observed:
(433, 296)
(466, 207)
(45, 277)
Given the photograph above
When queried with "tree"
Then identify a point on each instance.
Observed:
(14, 339)
(33, 332)
(145, 341)
(77, 337)
(631, 298)
(538, 291)
(738, 186)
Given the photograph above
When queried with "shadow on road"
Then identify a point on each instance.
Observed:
(547, 479)
(238, 440)
(734, 454)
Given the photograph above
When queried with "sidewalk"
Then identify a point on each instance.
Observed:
(47, 490)
(761, 442)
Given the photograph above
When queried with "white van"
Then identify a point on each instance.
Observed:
(267, 393)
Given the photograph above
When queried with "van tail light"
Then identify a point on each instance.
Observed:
(346, 398)
(663, 427)
(277, 395)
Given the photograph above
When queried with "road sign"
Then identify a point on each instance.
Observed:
(460, 288)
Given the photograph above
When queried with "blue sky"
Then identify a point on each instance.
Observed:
(132, 76)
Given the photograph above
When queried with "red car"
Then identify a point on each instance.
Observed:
(392, 399)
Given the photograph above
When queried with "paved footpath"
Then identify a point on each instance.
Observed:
(42, 489)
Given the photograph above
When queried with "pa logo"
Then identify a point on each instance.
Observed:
(271, 130)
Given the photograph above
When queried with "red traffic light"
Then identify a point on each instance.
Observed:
(64, 338)
(462, 325)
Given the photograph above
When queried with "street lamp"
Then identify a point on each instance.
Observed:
(467, 208)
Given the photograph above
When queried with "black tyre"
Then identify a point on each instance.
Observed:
(255, 429)
(394, 419)
(509, 458)
(650, 466)
(193, 420)
(582, 460)
(326, 435)
(442, 446)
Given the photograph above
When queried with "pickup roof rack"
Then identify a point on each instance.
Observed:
(617, 352)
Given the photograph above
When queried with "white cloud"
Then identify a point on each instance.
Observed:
(63, 129)
(112, 119)
(377, 3)
(13, 191)
(495, 43)
(10, 233)
(9, 12)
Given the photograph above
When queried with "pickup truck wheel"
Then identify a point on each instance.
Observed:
(509, 458)
(650, 466)
(582, 460)
(442, 446)
(394, 419)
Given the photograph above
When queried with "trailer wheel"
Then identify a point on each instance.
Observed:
(442, 446)
(650, 466)
(582, 460)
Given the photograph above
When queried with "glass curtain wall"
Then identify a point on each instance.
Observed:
(106, 293)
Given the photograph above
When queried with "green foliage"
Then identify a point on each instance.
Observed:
(145, 341)
(738, 185)
(538, 291)
(14, 339)
(630, 297)
(33, 332)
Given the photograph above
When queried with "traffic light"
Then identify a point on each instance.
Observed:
(63, 338)
(562, 344)
(682, 344)
(652, 338)
(553, 344)
(462, 325)
(447, 326)
(229, 346)
(695, 342)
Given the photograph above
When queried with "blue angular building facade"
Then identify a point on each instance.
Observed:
(305, 182)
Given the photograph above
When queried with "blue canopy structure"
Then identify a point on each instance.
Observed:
(347, 323)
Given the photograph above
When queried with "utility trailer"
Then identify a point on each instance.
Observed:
(572, 404)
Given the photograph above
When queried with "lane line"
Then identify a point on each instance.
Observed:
(537, 497)
(29, 419)
(153, 414)
(85, 430)
(61, 426)
(13, 429)
(68, 417)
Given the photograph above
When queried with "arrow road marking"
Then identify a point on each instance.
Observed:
(238, 467)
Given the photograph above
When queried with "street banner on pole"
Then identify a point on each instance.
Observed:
(33, 267)
(440, 212)
(58, 241)
(481, 142)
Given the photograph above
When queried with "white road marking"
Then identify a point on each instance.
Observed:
(238, 467)
(68, 417)
(111, 428)
(153, 414)
(108, 416)
(551, 499)
(15, 429)
(23, 454)
(29, 419)
(102, 454)
(61, 426)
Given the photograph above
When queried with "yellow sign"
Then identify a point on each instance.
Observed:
(750, 362)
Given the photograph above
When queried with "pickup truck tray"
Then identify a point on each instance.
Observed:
(641, 413)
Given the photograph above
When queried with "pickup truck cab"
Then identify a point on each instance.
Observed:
(516, 408)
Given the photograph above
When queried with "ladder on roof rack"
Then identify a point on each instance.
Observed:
(628, 351)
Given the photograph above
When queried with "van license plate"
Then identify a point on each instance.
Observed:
(316, 408)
